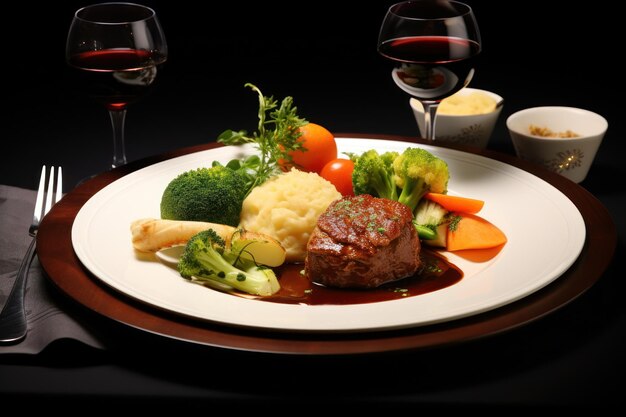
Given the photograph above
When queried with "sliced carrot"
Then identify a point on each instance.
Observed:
(474, 232)
(456, 203)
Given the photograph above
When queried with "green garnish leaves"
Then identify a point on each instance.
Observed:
(276, 137)
(454, 222)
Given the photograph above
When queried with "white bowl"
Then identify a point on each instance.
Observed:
(571, 157)
(474, 130)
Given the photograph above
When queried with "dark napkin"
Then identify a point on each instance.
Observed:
(48, 318)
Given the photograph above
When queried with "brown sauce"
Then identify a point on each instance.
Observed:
(437, 273)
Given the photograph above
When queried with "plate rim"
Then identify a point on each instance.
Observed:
(267, 340)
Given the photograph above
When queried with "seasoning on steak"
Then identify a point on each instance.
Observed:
(363, 242)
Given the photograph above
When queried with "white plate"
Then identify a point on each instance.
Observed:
(545, 231)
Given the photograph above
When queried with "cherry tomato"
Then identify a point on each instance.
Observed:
(320, 146)
(339, 173)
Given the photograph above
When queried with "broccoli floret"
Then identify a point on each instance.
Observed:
(417, 172)
(207, 260)
(373, 174)
(428, 217)
(405, 178)
(212, 194)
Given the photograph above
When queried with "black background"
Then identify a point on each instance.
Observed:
(323, 53)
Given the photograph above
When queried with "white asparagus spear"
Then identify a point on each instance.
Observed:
(152, 235)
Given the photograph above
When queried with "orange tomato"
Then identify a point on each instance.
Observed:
(339, 173)
(319, 148)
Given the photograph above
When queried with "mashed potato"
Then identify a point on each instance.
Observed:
(287, 207)
(466, 104)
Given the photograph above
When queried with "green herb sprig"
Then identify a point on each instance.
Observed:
(276, 136)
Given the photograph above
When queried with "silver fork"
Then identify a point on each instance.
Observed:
(13, 316)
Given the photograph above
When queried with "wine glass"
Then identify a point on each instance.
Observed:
(115, 51)
(434, 44)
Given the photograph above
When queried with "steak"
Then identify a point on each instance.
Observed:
(363, 242)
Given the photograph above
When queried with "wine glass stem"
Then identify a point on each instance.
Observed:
(430, 113)
(119, 150)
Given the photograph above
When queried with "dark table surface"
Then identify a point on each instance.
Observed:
(327, 61)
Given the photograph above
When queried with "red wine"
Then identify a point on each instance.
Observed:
(115, 77)
(431, 67)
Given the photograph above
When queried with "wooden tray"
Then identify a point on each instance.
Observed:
(58, 259)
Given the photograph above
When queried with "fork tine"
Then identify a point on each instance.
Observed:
(40, 194)
(59, 192)
(49, 192)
